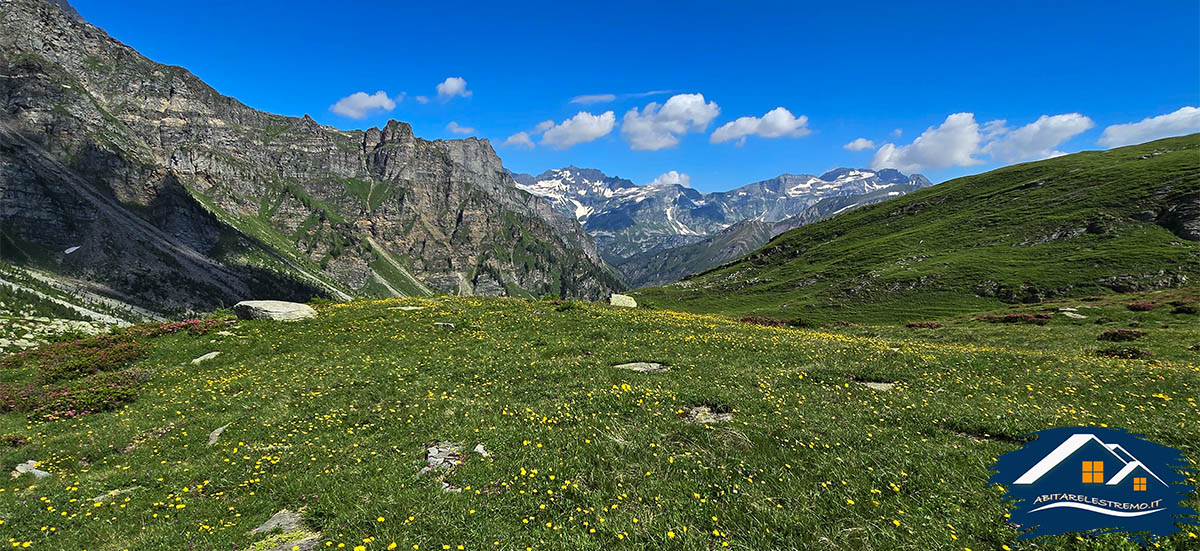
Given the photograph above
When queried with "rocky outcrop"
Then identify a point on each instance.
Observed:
(183, 198)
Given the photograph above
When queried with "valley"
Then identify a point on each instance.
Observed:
(339, 320)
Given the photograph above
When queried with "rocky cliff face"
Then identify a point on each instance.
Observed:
(180, 197)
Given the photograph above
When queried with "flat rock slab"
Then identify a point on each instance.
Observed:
(1074, 316)
(284, 520)
(407, 308)
(310, 543)
(625, 301)
(878, 386)
(206, 357)
(705, 415)
(277, 310)
(29, 467)
(216, 434)
(643, 367)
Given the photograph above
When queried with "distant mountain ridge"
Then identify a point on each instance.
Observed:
(634, 223)
(661, 267)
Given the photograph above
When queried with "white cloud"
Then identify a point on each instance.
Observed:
(520, 140)
(583, 127)
(657, 127)
(594, 98)
(898, 132)
(587, 99)
(777, 123)
(1184, 121)
(451, 87)
(459, 129)
(960, 139)
(951, 144)
(524, 138)
(673, 178)
(859, 144)
(422, 100)
(1034, 141)
(360, 104)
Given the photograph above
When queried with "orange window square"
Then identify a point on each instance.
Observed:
(1093, 472)
(1139, 484)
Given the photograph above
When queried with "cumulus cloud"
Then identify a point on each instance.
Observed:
(859, 145)
(594, 98)
(451, 87)
(520, 140)
(777, 123)
(952, 144)
(1184, 121)
(673, 178)
(1035, 140)
(459, 129)
(656, 127)
(582, 128)
(360, 104)
(959, 140)
(524, 138)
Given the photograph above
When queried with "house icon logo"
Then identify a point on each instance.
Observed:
(1077, 479)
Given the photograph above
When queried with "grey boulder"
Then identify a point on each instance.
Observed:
(622, 300)
(274, 310)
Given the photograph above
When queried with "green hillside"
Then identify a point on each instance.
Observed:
(858, 437)
(1088, 223)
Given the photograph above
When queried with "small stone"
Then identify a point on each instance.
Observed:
(444, 325)
(206, 357)
(284, 520)
(643, 367)
(1065, 309)
(447, 487)
(214, 435)
(878, 386)
(479, 450)
(29, 467)
(705, 415)
(624, 301)
(226, 333)
(1074, 316)
(407, 308)
(443, 455)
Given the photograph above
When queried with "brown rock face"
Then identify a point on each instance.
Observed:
(180, 198)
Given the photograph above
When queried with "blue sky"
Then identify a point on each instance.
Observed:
(884, 72)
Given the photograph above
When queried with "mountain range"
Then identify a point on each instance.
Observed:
(659, 233)
(171, 196)
(1085, 224)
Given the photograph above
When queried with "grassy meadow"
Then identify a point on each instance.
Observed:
(332, 416)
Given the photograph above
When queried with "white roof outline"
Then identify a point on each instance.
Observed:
(1070, 446)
